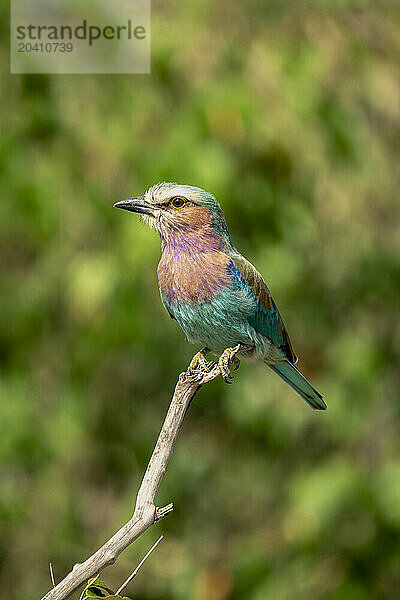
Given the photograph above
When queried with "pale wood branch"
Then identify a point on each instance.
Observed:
(146, 513)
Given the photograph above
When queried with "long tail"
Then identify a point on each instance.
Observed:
(296, 380)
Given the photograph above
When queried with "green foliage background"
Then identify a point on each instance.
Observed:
(289, 113)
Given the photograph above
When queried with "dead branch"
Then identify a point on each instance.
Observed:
(146, 513)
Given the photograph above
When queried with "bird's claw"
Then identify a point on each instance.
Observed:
(199, 364)
(227, 358)
(236, 362)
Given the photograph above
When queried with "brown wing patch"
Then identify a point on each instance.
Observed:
(255, 281)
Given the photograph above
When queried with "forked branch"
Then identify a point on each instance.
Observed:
(146, 513)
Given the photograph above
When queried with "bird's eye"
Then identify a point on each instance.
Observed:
(177, 202)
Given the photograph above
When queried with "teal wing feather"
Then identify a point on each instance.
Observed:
(266, 318)
(267, 321)
(296, 380)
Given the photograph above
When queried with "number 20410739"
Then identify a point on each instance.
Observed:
(45, 47)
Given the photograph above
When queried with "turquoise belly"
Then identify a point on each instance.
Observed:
(221, 323)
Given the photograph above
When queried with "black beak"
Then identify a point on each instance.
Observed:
(137, 205)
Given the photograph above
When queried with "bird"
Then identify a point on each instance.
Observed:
(218, 297)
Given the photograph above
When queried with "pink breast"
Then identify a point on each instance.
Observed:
(192, 277)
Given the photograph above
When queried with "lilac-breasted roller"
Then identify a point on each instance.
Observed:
(218, 298)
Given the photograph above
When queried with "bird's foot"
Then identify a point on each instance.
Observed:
(228, 358)
(199, 364)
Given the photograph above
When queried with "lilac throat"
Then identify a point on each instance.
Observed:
(182, 243)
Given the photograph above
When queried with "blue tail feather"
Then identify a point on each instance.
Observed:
(299, 384)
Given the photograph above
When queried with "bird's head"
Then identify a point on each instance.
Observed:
(178, 210)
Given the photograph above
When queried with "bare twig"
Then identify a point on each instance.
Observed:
(53, 581)
(135, 572)
(146, 513)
